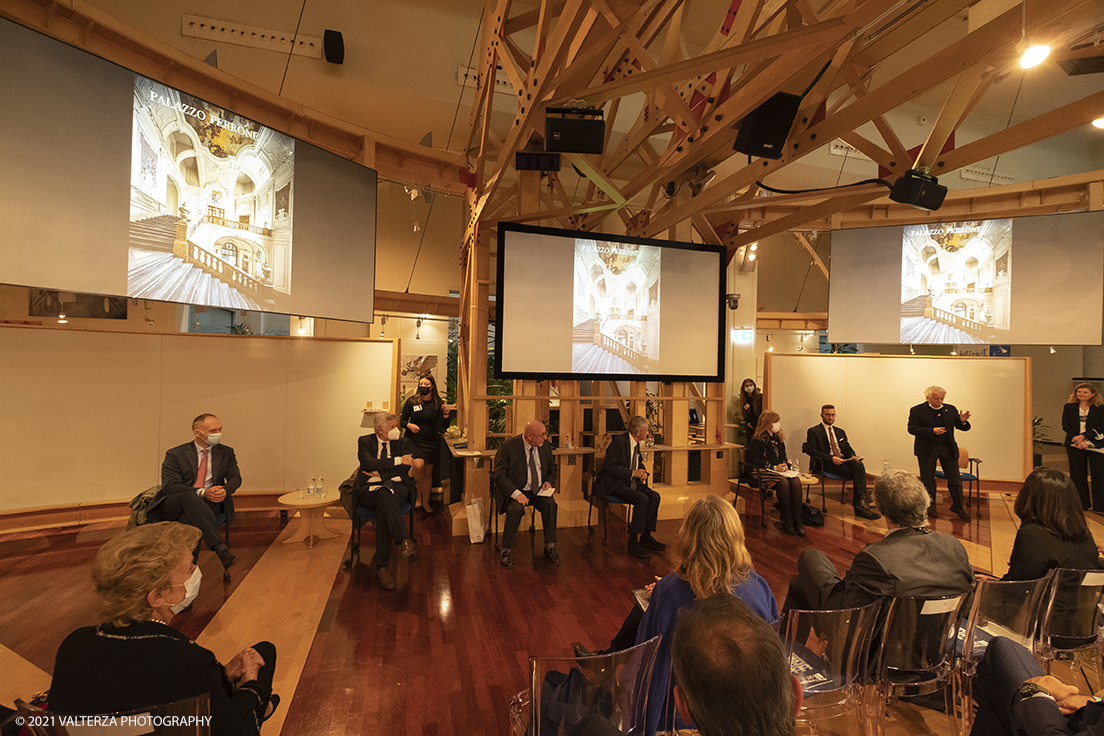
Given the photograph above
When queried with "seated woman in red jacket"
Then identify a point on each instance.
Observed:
(136, 660)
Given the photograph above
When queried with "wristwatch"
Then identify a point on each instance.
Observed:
(1030, 690)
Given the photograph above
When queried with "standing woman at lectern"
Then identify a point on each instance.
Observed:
(1083, 423)
(425, 418)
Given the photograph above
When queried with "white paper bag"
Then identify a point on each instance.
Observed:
(477, 525)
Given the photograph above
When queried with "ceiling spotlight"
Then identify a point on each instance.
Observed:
(62, 320)
(754, 247)
(770, 349)
(911, 351)
(418, 332)
(1033, 54)
(751, 257)
(1098, 123)
(383, 322)
(954, 351)
(1052, 350)
(800, 348)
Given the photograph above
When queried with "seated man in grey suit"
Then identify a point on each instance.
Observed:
(729, 669)
(828, 444)
(198, 480)
(912, 561)
(1015, 696)
(524, 466)
(623, 475)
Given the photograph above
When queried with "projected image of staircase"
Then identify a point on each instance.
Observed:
(593, 352)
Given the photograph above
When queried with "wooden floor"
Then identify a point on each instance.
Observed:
(443, 653)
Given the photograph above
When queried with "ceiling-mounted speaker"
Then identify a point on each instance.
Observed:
(764, 131)
(333, 47)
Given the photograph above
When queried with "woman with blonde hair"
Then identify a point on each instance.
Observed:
(135, 659)
(767, 449)
(712, 560)
(1083, 422)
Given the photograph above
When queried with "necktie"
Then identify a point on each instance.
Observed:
(835, 445)
(534, 474)
(635, 466)
(385, 450)
(201, 476)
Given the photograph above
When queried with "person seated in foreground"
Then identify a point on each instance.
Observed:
(523, 469)
(1053, 532)
(912, 561)
(198, 480)
(713, 559)
(135, 659)
(731, 674)
(828, 444)
(384, 485)
(1016, 698)
(623, 475)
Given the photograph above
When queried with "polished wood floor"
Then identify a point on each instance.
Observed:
(443, 653)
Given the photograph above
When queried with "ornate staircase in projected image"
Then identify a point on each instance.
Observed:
(586, 357)
(154, 272)
(915, 327)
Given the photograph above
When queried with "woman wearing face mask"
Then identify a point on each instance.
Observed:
(767, 449)
(424, 420)
(751, 406)
(135, 659)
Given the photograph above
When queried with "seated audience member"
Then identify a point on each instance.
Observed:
(713, 559)
(731, 674)
(1016, 698)
(828, 444)
(135, 659)
(767, 449)
(524, 467)
(198, 480)
(623, 475)
(912, 561)
(384, 485)
(1052, 532)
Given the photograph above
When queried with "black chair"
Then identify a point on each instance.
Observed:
(816, 467)
(362, 516)
(601, 444)
(494, 516)
(970, 473)
(756, 479)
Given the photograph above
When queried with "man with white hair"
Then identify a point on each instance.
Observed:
(933, 424)
(623, 475)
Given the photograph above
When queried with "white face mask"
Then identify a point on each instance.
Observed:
(393, 434)
(749, 389)
(191, 590)
(214, 439)
(776, 427)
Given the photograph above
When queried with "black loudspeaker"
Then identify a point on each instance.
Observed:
(333, 47)
(574, 135)
(763, 132)
(919, 190)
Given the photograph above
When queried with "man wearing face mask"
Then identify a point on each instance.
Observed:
(198, 480)
(383, 485)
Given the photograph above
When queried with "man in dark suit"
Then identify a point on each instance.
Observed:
(524, 467)
(1015, 696)
(933, 424)
(384, 485)
(828, 444)
(198, 480)
(911, 561)
(623, 475)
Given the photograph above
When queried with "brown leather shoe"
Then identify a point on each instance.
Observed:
(407, 548)
(386, 580)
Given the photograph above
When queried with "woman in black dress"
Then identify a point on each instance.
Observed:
(425, 418)
(750, 401)
(135, 659)
(767, 449)
(1083, 422)
(1053, 532)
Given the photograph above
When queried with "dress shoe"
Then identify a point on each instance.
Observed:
(581, 651)
(651, 542)
(227, 557)
(407, 548)
(636, 549)
(386, 580)
(865, 512)
(273, 704)
(507, 560)
(788, 528)
(960, 513)
(552, 555)
(932, 513)
(799, 529)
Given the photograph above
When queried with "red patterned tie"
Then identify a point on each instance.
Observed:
(201, 476)
(835, 445)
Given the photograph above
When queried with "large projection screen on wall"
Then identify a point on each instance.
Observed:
(1024, 281)
(580, 305)
(873, 394)
(112, 183)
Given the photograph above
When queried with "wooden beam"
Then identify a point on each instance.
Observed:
(812, 252)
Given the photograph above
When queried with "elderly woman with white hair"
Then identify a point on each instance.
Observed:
(135, 659)
(911, 561)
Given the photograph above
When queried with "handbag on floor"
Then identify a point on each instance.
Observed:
(477, 525)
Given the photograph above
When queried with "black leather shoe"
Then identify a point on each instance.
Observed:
(386, 580)
(274, 702)
(580, 650)
(865, 512)
(227, 557)
(636, 549)
(407, 548)
(788, 528)
(799, 529)
(651, 542)
(507, 560)
(552, 555)
(960, 513)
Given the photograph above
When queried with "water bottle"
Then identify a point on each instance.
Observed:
(311, 490)
(321, 486)
(885, 466)
(795, 466)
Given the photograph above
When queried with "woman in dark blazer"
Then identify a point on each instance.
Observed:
(1053, 532)
(767, 449)
(1083, 423)
(750, 401)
